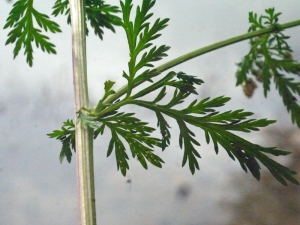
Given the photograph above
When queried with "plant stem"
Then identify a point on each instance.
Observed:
(83, 137)
(202, 51)
(222, 44)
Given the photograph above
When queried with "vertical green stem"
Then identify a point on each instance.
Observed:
(83, 137)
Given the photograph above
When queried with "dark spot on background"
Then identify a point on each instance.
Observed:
(3, 108)
(183, 191)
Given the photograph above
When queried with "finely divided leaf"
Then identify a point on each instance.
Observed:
(99, 14)
(129, 131)
(67, 136)
(140, 35)
(24, 33)
(270, 56)
(138, 136)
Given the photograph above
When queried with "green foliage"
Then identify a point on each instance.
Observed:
(218, 127)
(67, 136)
(99, 14)
(270, 58)
(137, 134)
(24, 32)
(140, 35)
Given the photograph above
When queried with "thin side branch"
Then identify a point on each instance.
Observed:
(202, 51)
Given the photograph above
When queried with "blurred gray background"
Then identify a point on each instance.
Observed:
(36, 189)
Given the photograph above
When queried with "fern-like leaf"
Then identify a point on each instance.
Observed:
(99, 14)
(67, 136)
(270, 56)
(140, 35)
(138, 136)
(24, 32)
(127, 130)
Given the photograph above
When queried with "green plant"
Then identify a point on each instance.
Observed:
(269, 55)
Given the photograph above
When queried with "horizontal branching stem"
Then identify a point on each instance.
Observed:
(204, 50)
(221, 44)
